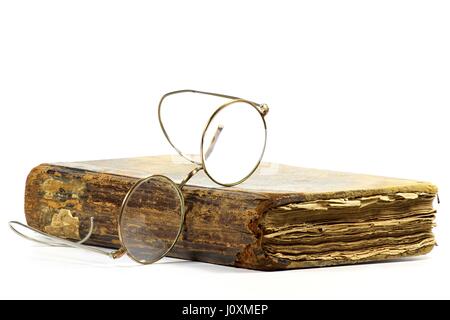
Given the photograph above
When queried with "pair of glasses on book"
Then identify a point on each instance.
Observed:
(152, 215)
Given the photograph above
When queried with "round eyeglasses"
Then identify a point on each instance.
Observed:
(152, 215)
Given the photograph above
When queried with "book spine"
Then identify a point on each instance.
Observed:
(221, 226)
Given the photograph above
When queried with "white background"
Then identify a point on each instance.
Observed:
(360, 86)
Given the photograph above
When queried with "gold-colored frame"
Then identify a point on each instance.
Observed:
(262, 112)
(262, 109)
(220, 95)
(123, 250)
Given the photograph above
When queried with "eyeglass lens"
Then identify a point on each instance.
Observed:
(239, 146)
(152, 219)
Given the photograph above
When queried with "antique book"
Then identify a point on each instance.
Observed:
(283, 217)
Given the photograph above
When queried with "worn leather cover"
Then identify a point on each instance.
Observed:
(228, 225)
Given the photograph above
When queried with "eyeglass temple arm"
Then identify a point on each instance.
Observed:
(213, 141)
(262, 107)
(56, 241)
(207, 154)
(212, 94)
(200, 92)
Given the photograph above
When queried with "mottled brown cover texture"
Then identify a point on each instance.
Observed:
(283, 217)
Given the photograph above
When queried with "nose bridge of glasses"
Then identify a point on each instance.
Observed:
(189, 176)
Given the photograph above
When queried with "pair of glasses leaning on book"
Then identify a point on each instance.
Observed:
(152, 214)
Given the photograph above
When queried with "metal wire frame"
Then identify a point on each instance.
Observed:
(263, 109)
(56, 241)
(130, 192)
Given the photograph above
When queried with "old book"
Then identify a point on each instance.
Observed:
(283, 217)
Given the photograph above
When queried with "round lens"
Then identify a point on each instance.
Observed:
(233, 143)
(151, 219)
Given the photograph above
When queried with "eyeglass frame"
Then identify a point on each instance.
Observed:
(262, 109)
